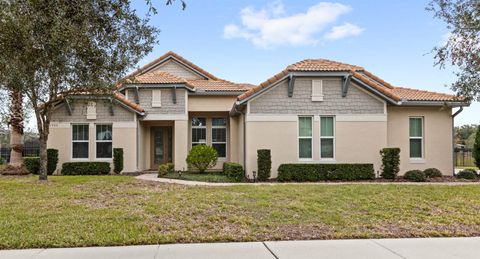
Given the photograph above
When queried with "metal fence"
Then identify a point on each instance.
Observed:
(30, 148)
(464, 157)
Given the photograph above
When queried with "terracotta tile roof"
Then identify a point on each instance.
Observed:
(359, 73)
(157, 77)
(120, 97)
(421, 95)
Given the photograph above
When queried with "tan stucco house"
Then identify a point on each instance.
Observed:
(314, 111)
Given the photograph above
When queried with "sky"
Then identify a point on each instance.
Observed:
(249, 41)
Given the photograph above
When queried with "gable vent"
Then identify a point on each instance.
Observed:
(156, 98)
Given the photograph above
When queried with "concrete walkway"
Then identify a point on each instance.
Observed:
(153, 177)
(424, 248)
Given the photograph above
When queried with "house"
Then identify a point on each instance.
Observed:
(314, 111)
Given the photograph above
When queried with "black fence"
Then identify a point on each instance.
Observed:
(30, 148)
(464, 157)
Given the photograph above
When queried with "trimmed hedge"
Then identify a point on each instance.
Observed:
(432, 173)
(390, 162)
(467, 174)
(85, 168)
(32, 164)
(52, 160)
(162, 170)
(264, 164)
(234, 171)
(117, 160)
(415, 176)
(323, 172)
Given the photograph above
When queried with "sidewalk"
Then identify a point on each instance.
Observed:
(424, 248)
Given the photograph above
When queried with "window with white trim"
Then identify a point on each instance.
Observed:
(156, 98)
(79, 140)
(305, 135)
(103, 140)
(199, 131)
(219, 136)
(317, 90)
(327, 137)
(416, 137)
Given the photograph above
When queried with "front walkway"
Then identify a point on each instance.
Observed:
(153, 177)
(424, 248)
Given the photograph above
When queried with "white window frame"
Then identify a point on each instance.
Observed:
(317, 97)
(422, 141)
(156, 103)
(80, 141)
(226, 134)
(102, 141)
(199, 127)
(327, 137)
(303, 137)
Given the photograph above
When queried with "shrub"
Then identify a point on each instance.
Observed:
(264, 164)
(162, 170)
(117, 160)
(390, 162)
(2, 161)
(32, 164)
(432, 173)
(476, 148)
(322, 172)
(52, 160)
(170, 167)
(202, 157)
(234, 171)
(415, 176)
(467, 174)
(85, 168)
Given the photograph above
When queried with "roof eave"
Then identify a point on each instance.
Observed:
(434, 103)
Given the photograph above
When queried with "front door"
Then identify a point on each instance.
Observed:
(161, 146)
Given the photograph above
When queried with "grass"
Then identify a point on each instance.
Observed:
(205, 177)
(73, 211)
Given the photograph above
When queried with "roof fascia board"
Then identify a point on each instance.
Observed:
(232, 93)
(375, 91)
(314, 74)
(435, 103)
(131, 86)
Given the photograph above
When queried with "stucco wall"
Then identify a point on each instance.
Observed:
(175, 68)
(276, 100)
(438, 150)
(202, 103)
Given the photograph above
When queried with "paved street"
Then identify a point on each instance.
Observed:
(424, 248)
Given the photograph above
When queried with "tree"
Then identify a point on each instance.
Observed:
(462, 48)
(16, 130)
(55, 49)
(476, 148)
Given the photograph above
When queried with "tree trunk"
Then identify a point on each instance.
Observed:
(42, 174)
(16, 129)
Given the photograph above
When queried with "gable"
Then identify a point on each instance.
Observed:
(80, 111)
(175, 68)
(276, 100)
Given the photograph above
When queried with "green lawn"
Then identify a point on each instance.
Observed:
(205, 177)
(117, 210)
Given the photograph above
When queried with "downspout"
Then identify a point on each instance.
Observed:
(245, 143)
(453, 137)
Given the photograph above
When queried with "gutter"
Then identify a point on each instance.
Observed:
(453, 137)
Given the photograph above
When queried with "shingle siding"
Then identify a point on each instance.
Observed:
(276, 100)
(176, 69)
(79, 112)
(168, 107)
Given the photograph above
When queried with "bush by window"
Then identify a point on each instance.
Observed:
(85, 168)
(234, 171)
(202, 157)
(415, 176)
(390, 162)
(467, 174)
(52, 160)
(264, 164)
(432, 173)
(322, 172)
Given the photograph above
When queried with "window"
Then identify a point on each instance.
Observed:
(104, 141)
(199, 131)
(317, 90)
(80, 141)
(156, 98)
(327, 137)
(416, 137)
(219, 136)
(305, 137)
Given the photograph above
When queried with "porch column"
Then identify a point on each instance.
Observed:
(180, 144)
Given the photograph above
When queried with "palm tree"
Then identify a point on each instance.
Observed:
(16, 129)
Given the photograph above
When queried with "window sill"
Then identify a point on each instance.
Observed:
(328, 161)
(417, 161)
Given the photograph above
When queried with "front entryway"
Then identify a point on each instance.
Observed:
(161, 146)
